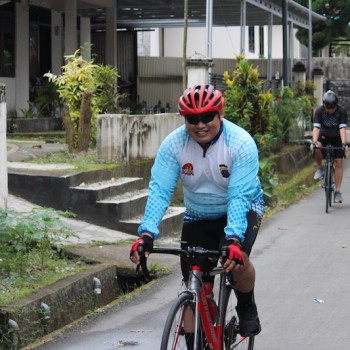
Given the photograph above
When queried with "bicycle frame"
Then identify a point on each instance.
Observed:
(213, 333)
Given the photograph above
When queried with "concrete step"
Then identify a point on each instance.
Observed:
(90, 193)
(169, 227)
(126, 205)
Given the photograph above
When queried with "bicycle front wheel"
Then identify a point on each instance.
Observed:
(177, 335)
(328, 185)
(232, 340)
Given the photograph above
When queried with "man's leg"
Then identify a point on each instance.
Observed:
(246, 307)
(338, 177)
(245, 281)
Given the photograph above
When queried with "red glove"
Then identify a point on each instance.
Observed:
(147, 244)
(234, 251)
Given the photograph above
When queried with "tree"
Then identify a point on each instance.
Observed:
(336, 25)
(86, 89)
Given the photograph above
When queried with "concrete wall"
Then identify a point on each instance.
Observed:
(35, 124)
(124, 138)
(3, 150)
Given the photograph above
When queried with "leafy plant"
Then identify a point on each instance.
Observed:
(39, 230)
(86, 89)
(47, 99)
(246, 104)
(292, 112)
(269, 181)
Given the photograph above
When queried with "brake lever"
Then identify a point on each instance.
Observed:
(142, 266)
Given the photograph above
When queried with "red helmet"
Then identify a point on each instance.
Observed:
(200, 99)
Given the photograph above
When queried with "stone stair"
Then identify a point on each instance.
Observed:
(119, 204)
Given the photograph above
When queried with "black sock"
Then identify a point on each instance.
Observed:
(189, 340)
(244, 298)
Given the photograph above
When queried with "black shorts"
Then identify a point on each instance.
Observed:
(333, 141)
(209, 234)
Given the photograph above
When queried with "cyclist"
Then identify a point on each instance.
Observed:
(330, 122)
(217, 162)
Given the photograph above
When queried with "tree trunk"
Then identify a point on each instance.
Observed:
(68, 125)
(85, 122)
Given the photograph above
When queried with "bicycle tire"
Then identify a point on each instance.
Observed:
(174, 333)
(330, 184)
(327, 182)
(232, 340)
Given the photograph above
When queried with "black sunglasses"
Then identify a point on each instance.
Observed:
(204, 118)
(328, 106)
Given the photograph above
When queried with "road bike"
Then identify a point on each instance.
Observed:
(328, 177)
(213, 323)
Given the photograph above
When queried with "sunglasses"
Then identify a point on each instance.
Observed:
(330, 106)
(204, 118)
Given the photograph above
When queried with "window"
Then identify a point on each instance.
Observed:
(251, 38)
(7, 40)
(261, 42)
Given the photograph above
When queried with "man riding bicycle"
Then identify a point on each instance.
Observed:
(330, 122)
(217, 163)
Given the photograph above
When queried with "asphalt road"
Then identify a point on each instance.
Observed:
(301, 254)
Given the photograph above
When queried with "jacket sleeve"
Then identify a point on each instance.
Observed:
(164, 176)
(243, 188)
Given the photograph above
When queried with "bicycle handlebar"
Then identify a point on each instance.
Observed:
(188, 252)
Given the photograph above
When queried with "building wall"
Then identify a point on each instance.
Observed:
(225, 42)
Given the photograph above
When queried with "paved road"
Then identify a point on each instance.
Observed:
(301, 254)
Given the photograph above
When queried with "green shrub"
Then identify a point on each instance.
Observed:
(40, 230)
(84, 80)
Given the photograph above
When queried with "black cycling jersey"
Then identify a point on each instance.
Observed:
(330, 124)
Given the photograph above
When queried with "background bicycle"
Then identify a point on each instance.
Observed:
(328, 177)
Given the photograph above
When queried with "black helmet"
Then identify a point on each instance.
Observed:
(330, 99)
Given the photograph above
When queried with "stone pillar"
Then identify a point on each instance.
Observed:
(56, 42)
(318, 80)
(197, 69)
(70, 27)
(85, 37)
(21, 91)
(299, 73)
(111, 36)
(3, 149)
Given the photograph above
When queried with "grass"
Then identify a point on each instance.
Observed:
(86, 161)
(291, 189)
(18, 285)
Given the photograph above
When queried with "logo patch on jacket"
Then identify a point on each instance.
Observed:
(187, 169)
(224, 170)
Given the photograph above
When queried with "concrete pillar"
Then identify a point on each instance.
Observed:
(111, 36)
(197, 69)
(56, 43)
(22, 56)
(318, 80)
(299, 73)
(70, 29)
(85, 37)
(3, 149)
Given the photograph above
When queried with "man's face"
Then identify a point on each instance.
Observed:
(203, 127)
(330, 109)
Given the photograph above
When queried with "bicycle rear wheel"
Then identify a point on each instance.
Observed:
(174, 335)
(232, 340)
